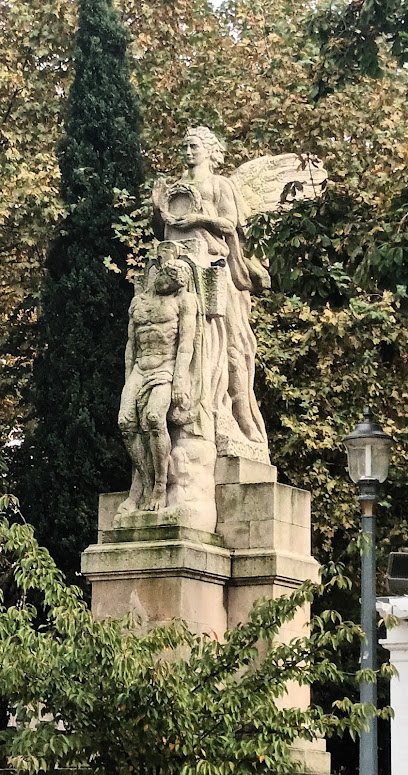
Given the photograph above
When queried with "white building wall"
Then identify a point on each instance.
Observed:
(397, 644)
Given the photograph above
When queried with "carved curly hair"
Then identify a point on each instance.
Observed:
(178, 270)
(210, 142)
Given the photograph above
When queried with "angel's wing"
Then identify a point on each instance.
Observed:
(261, 181)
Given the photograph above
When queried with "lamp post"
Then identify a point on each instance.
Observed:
(368, 451)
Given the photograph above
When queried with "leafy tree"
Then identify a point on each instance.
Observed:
(326, 348)
(73, 452)
(120, 703)
(334, 335)
(352, 36)
(10, 594)
(256, 55)
(36, 48)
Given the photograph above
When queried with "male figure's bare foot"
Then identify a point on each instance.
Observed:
(127, 506)
(242, 414)
(158, 498)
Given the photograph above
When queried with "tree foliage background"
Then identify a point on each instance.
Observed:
(265, 76)
(74, 450)
(121, 700)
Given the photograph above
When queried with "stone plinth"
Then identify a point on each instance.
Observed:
(160, 566)
(312, 757)
(157, 569)
(267, 527)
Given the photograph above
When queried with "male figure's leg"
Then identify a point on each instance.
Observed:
(160, 444)
(133, 437)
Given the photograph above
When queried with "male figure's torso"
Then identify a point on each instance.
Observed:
(156, 319)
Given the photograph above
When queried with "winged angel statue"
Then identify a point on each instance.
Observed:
(200, 223)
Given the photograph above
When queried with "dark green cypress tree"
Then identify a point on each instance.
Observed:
(75, 451)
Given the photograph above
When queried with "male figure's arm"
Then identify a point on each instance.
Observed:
(185, 349)
(130, 351)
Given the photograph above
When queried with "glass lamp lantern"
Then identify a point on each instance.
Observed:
(368, 450)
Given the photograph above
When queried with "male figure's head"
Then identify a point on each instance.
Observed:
(172, 276)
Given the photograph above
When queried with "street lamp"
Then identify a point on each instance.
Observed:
(368, 452)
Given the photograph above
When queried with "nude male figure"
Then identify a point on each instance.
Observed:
(162, 324)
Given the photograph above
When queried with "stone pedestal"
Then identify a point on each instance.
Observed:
(159, 566)
(267, 527)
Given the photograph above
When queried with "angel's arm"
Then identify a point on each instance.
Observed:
(224, 223)
(157, 220)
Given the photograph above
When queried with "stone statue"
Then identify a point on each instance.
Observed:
(190, 360)
(215, 220)
(213, 209)
(162, 321)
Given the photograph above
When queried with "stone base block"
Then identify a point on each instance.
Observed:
(111, 520)
(312, 757)
(159, 532)
(259, 566)
(240, 470)
(261, 515)
(159, 580)
(194, 515)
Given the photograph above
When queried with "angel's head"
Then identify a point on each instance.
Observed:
(199, 144)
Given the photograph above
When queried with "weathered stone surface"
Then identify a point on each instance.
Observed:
(312, 757)
(161, 579)
(236, 502)
(260, 564)
(140, 557)
(236, 535)
(266, 501)
(241, 470)
(264, 516)
(230, 444)
(188, 515)
(191, 478)
(279, 534)
(159, 599)
(109, 503)
(160, 533)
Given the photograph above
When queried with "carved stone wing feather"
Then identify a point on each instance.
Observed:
(261, 181)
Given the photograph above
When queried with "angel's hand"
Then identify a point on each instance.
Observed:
(186, 221)
(258, 274)
(168, 219)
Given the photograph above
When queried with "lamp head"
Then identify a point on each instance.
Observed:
(368, 450)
